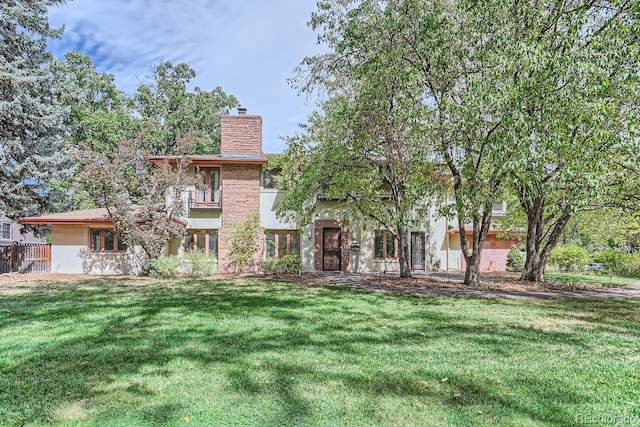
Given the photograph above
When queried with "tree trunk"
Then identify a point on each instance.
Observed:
(481, 226)
(531, 266)
(472, 272)
(538, 258)
(403, 252)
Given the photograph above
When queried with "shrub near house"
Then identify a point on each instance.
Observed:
(515, 260)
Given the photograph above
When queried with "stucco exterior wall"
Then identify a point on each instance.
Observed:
(269, 198)
(70, 254)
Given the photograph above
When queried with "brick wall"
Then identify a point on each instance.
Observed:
(241, 197)
(241, 134)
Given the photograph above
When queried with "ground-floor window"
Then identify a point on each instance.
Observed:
(385, 246)
(283, 242)
(106, 240)
(202, 240)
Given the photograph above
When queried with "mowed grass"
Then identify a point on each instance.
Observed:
(598, 279)
(251, 352)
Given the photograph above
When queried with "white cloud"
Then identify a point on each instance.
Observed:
(249, 47)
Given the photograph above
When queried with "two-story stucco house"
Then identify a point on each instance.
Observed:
(237, 185)
(12, 232)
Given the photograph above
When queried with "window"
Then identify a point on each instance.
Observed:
(202, 240)
(281, 243)
(106, 240)
(269, 178)
(385, 246)
(210, 178)
(5, 231)
(498, 206)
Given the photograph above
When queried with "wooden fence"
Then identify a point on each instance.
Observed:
(25, 258)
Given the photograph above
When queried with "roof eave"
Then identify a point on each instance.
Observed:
(158, 161)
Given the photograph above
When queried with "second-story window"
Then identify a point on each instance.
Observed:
(5, 231)
(210, 178)
(499, 206)
(269, 178)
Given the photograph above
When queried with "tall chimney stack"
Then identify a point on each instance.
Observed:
(241, 134)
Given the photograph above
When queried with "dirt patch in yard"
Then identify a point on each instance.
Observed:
(495, 281)
(498, 283)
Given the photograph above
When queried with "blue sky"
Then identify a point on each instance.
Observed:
(248, 47)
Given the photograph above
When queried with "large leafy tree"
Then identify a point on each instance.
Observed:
(541, 96)
(31, 116)
(101, 115)
(443, 60)
(575, 102)
(169, 109)
(143, 200)
(162, 109)
(365, 152)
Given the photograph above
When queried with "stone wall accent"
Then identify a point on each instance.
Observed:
(241, 134)
(318, 225)
(240, 198)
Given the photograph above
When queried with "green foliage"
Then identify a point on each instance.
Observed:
(244, 244)
(605, 228)
(100, 114)
(165, 266)
(620, 263)
(167, 110)
(288, 264)
(515, 261)
(198, 264)
(32, 117)
(570, 257)
(192, 264)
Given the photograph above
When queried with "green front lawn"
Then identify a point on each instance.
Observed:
(598, 279)
(265, 353)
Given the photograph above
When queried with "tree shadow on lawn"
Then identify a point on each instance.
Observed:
(132, 332)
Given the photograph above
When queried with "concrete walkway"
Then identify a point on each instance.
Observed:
(359, 281)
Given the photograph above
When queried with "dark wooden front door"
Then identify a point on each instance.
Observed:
(331, 252)
(417, 251)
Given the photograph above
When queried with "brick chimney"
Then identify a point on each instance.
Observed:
(241, 134)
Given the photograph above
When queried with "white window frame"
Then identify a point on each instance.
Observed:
(2, 226)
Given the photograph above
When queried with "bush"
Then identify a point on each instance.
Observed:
(611, 258)
(630, 265)
(570, 257)
(288, 264)
(198, 264)
(515, 261)
(620, 263)
(165, 267)
(244, 244)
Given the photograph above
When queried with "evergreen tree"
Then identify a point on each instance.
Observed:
(31, 117)
(515, 261)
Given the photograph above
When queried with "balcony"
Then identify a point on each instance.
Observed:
(208, 205)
